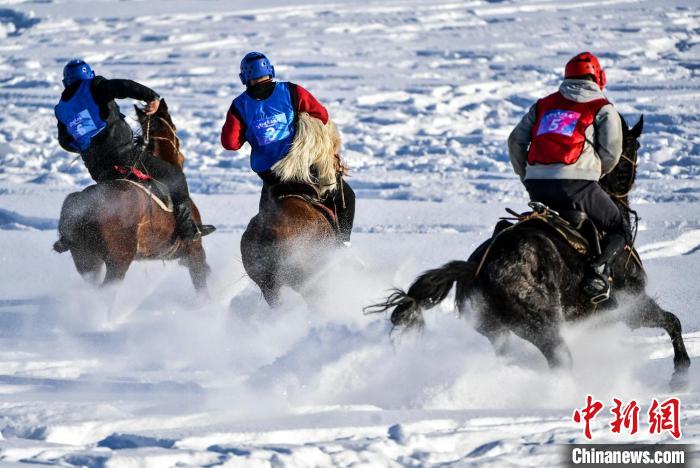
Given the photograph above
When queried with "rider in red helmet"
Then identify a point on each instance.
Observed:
(563, 146)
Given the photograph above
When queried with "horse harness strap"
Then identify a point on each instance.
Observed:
(166, 207)
(633, 255)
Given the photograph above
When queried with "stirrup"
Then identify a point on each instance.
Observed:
(602, 297)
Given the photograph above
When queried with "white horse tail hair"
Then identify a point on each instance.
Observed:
(315, 146)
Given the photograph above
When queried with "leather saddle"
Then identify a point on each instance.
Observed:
(573, 225)
(308, 193)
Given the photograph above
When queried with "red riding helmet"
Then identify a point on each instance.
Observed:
(586, 63)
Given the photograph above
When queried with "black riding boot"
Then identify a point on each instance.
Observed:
(596, 282)
(342, 201)
(186, 227)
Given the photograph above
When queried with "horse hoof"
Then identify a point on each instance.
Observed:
(679, 380)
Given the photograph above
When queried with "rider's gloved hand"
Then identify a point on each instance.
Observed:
(152, 107)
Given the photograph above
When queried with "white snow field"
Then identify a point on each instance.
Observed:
(425, 94)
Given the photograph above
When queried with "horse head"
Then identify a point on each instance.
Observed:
(159, 134)
(618, 183)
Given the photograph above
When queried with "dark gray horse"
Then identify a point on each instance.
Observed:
(530, 284)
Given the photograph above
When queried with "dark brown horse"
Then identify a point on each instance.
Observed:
(115, 222)
(287, 241)
(530, 284)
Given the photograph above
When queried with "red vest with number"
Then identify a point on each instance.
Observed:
(558, 135)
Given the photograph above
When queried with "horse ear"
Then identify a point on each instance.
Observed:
(163, 105)
(139, 111)
(637, 130)
(625, 127)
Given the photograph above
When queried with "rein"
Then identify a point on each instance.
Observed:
(630, 183)
(621, 198)
(174, 141)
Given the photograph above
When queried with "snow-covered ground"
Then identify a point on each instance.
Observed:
(425, 94)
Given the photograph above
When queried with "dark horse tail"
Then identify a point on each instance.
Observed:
(427, 291)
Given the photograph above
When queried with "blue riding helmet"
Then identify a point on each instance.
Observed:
(76, 70)
(255, 65)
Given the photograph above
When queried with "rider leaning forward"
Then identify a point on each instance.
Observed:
(89, 123)
(265, 116)
(563, 146)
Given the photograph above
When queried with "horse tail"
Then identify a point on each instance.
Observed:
(427, 291)
(315, 146)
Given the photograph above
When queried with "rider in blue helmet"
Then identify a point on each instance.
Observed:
(76, 70)
(255, 65)
(89, 123)
(265, 116)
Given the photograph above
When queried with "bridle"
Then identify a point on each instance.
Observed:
(622, 194)
(174, 141)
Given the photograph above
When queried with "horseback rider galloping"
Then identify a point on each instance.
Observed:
(89, 123)
(265, 116)
(563, 146)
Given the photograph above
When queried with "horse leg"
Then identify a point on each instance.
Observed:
(547, 338)
(494, 330)
(196, 262)
(648, 313)
(87, 263)
(552, 345)
(121, 251)
(271, 295)
(116, 270)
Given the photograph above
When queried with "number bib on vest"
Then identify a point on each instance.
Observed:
(81, 125)
(558, 121)
(271, 129)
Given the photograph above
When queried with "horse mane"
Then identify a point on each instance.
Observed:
(314, 155)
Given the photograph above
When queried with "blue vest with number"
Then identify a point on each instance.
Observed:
(81, 116)
(269, 124)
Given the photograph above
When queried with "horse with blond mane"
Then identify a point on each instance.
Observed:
(287, 240)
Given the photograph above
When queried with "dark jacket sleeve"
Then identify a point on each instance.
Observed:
(65, 140)
(105, 90)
